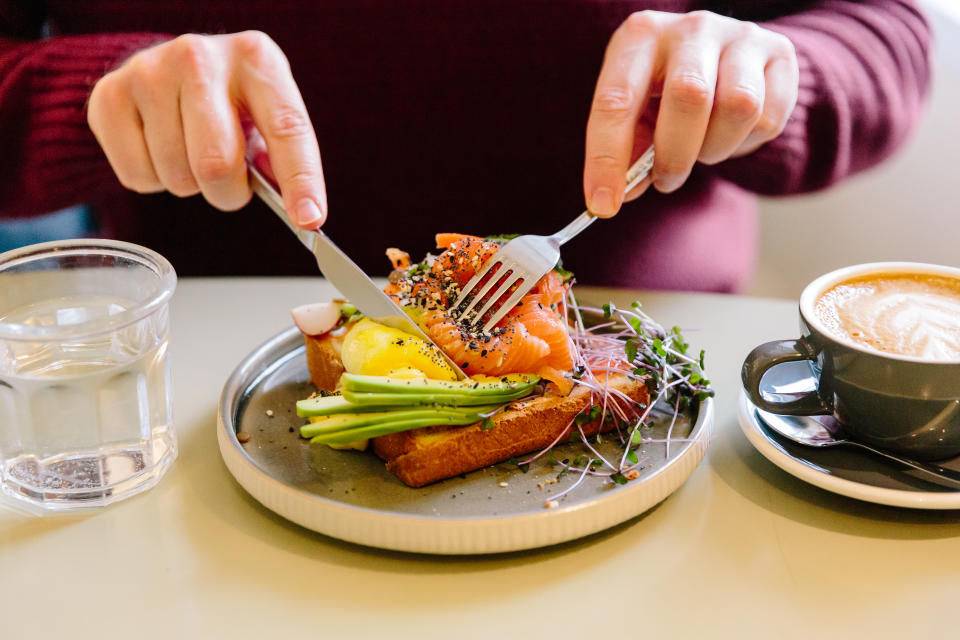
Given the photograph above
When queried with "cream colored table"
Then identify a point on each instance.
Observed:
(741, 550)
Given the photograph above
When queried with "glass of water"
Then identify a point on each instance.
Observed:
(85, 416)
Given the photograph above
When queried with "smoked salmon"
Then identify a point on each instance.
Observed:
(532, 338)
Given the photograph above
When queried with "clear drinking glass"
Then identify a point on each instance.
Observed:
(85, 415)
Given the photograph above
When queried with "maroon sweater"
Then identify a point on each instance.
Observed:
(440, 115)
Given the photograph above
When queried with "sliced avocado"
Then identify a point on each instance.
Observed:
(415, 399)
(392, 426)
(331, 405)
(352, 421)
(384, 384)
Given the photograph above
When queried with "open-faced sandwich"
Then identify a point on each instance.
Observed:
(537, 378)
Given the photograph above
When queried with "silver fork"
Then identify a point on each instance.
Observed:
(526, 259)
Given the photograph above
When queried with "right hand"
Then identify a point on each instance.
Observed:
(179, 116)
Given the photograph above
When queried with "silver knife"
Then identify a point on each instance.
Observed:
(343, 272)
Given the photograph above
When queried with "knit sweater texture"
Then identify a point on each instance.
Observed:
(435, 115)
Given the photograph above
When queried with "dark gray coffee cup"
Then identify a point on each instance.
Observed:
(903, 404)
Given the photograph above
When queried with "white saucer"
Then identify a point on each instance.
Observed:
(848, 471)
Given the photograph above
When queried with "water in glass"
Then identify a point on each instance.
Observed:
(86, 419)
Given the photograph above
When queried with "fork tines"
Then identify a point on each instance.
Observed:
(499, 274)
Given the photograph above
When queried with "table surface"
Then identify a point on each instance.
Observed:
(741, 549)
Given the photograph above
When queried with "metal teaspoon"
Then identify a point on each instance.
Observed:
(814, 433)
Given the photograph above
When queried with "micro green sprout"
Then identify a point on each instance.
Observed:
(626, 341)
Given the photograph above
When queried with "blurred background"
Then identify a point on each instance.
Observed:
(905, 209)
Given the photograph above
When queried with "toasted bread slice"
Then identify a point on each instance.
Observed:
(421, 456)
(323, 359)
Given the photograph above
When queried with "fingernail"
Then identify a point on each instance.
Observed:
(602, 202)
(307, 213)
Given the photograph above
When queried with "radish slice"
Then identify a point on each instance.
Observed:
(317, 318)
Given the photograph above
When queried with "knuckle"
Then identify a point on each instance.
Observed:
(301, 179)
(139, 181)
(741, 104)
(750, 29)
(142, 65)
(604, 162)
(614, 100)
(193, 54)
(288, 121)
(711, 159)
(689, 91)
(769, 126)
(103, 99)
(215, 167)
(176, 177)
(183, 186)
(142, 77)
(256, 45)
(670, 167)
(782, 45)
(696, 21)
(640, 23)
(230, 201)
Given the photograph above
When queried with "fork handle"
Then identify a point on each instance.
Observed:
(635, 175)
(639, 170)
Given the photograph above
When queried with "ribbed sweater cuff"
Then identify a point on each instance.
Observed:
(43, 94)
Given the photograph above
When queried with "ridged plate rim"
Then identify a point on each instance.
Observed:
(480, 534)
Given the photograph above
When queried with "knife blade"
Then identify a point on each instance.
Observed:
(343, 273)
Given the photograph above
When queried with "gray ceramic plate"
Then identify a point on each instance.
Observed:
(350, 494)
(849, 471)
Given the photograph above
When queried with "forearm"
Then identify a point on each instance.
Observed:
(51, 159)
(864, 72)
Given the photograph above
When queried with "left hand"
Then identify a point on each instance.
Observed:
(702, 86)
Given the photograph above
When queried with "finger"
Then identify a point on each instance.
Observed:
(117, 126)
(739, 100)
(215, 147)
(256, 151)
(158, 101)
(688, 89)
(782, 80)
(268, 89)
(642, 139)
(620, 95)
(638, 190)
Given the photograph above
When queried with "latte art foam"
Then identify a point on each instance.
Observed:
(904, 314)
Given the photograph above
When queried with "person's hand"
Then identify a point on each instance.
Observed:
(703, 87)
(179, 116)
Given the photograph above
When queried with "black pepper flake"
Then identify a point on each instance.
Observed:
(483, 354)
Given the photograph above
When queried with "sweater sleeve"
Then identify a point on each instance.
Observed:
(51, 158)
(864, 72)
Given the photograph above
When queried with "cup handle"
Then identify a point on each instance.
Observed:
(773, 353)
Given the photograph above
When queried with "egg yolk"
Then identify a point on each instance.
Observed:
(370, 348)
